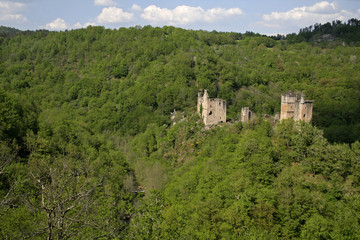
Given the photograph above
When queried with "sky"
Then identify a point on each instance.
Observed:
(260, 16)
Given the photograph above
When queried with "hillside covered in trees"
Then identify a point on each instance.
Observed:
(88, 150)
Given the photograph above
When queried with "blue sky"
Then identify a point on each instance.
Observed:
(266, 17)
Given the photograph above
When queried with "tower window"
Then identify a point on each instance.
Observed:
(210, 113)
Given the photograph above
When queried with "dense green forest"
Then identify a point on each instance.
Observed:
(88, 149)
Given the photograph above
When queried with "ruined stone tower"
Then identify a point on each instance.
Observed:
(245, 114)
(295, 108)
(211, 111)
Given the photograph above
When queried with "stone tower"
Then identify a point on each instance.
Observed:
(295, 108)
(211, 111)
(245, 114)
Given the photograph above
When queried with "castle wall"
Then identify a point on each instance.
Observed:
(306, 111)
(245, 114)
(288, 105)
(287, 110)
(297, 111)
(199, 103)
(211, 111)
(216, 112)
(292, 107)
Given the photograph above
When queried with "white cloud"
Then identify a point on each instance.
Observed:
(61, 24)
(11, 11)
(104, 3)
(219, 13)
(57, 24)
(114, 15)
(320, 12)
(155, 14)
(182, 15)
(11, 6)
(79, 25)
(136, 8)
(322, 7)
(13, 18)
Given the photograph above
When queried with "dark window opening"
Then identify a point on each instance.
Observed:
(210, 112)
(304, 115)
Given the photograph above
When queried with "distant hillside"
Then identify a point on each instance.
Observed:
(88, 149)
(336, 30)
(8, 31)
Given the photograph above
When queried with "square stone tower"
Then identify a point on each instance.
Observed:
(295, 108)
(245, 114)
(211, 111)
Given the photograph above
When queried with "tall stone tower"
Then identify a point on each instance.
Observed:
(245, 114)
(295, 108)
(211, 111)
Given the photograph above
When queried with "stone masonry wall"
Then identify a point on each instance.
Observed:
(211, 111)
(295, 108)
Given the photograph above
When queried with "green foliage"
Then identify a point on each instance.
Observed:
(348, 31)
(146, 222)
(87, 148)
(256, 183)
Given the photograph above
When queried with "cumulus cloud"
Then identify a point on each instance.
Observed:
(104, 3)
(322, 7)
(11, 11)
(57, 24)
(114, 15)
(79, 25)
(219, 13)
(13, 18)
(11, 6)
(136, 8)
(320, 12)
(182, 15)
(61, 24)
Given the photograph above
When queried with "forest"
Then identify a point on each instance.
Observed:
(88, 149)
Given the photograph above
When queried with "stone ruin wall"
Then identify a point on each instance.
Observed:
(211, 111)
(246, 114)
(295, 108)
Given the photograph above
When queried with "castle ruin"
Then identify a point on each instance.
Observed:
(211, 111)
(295, 108)
(246, 114)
